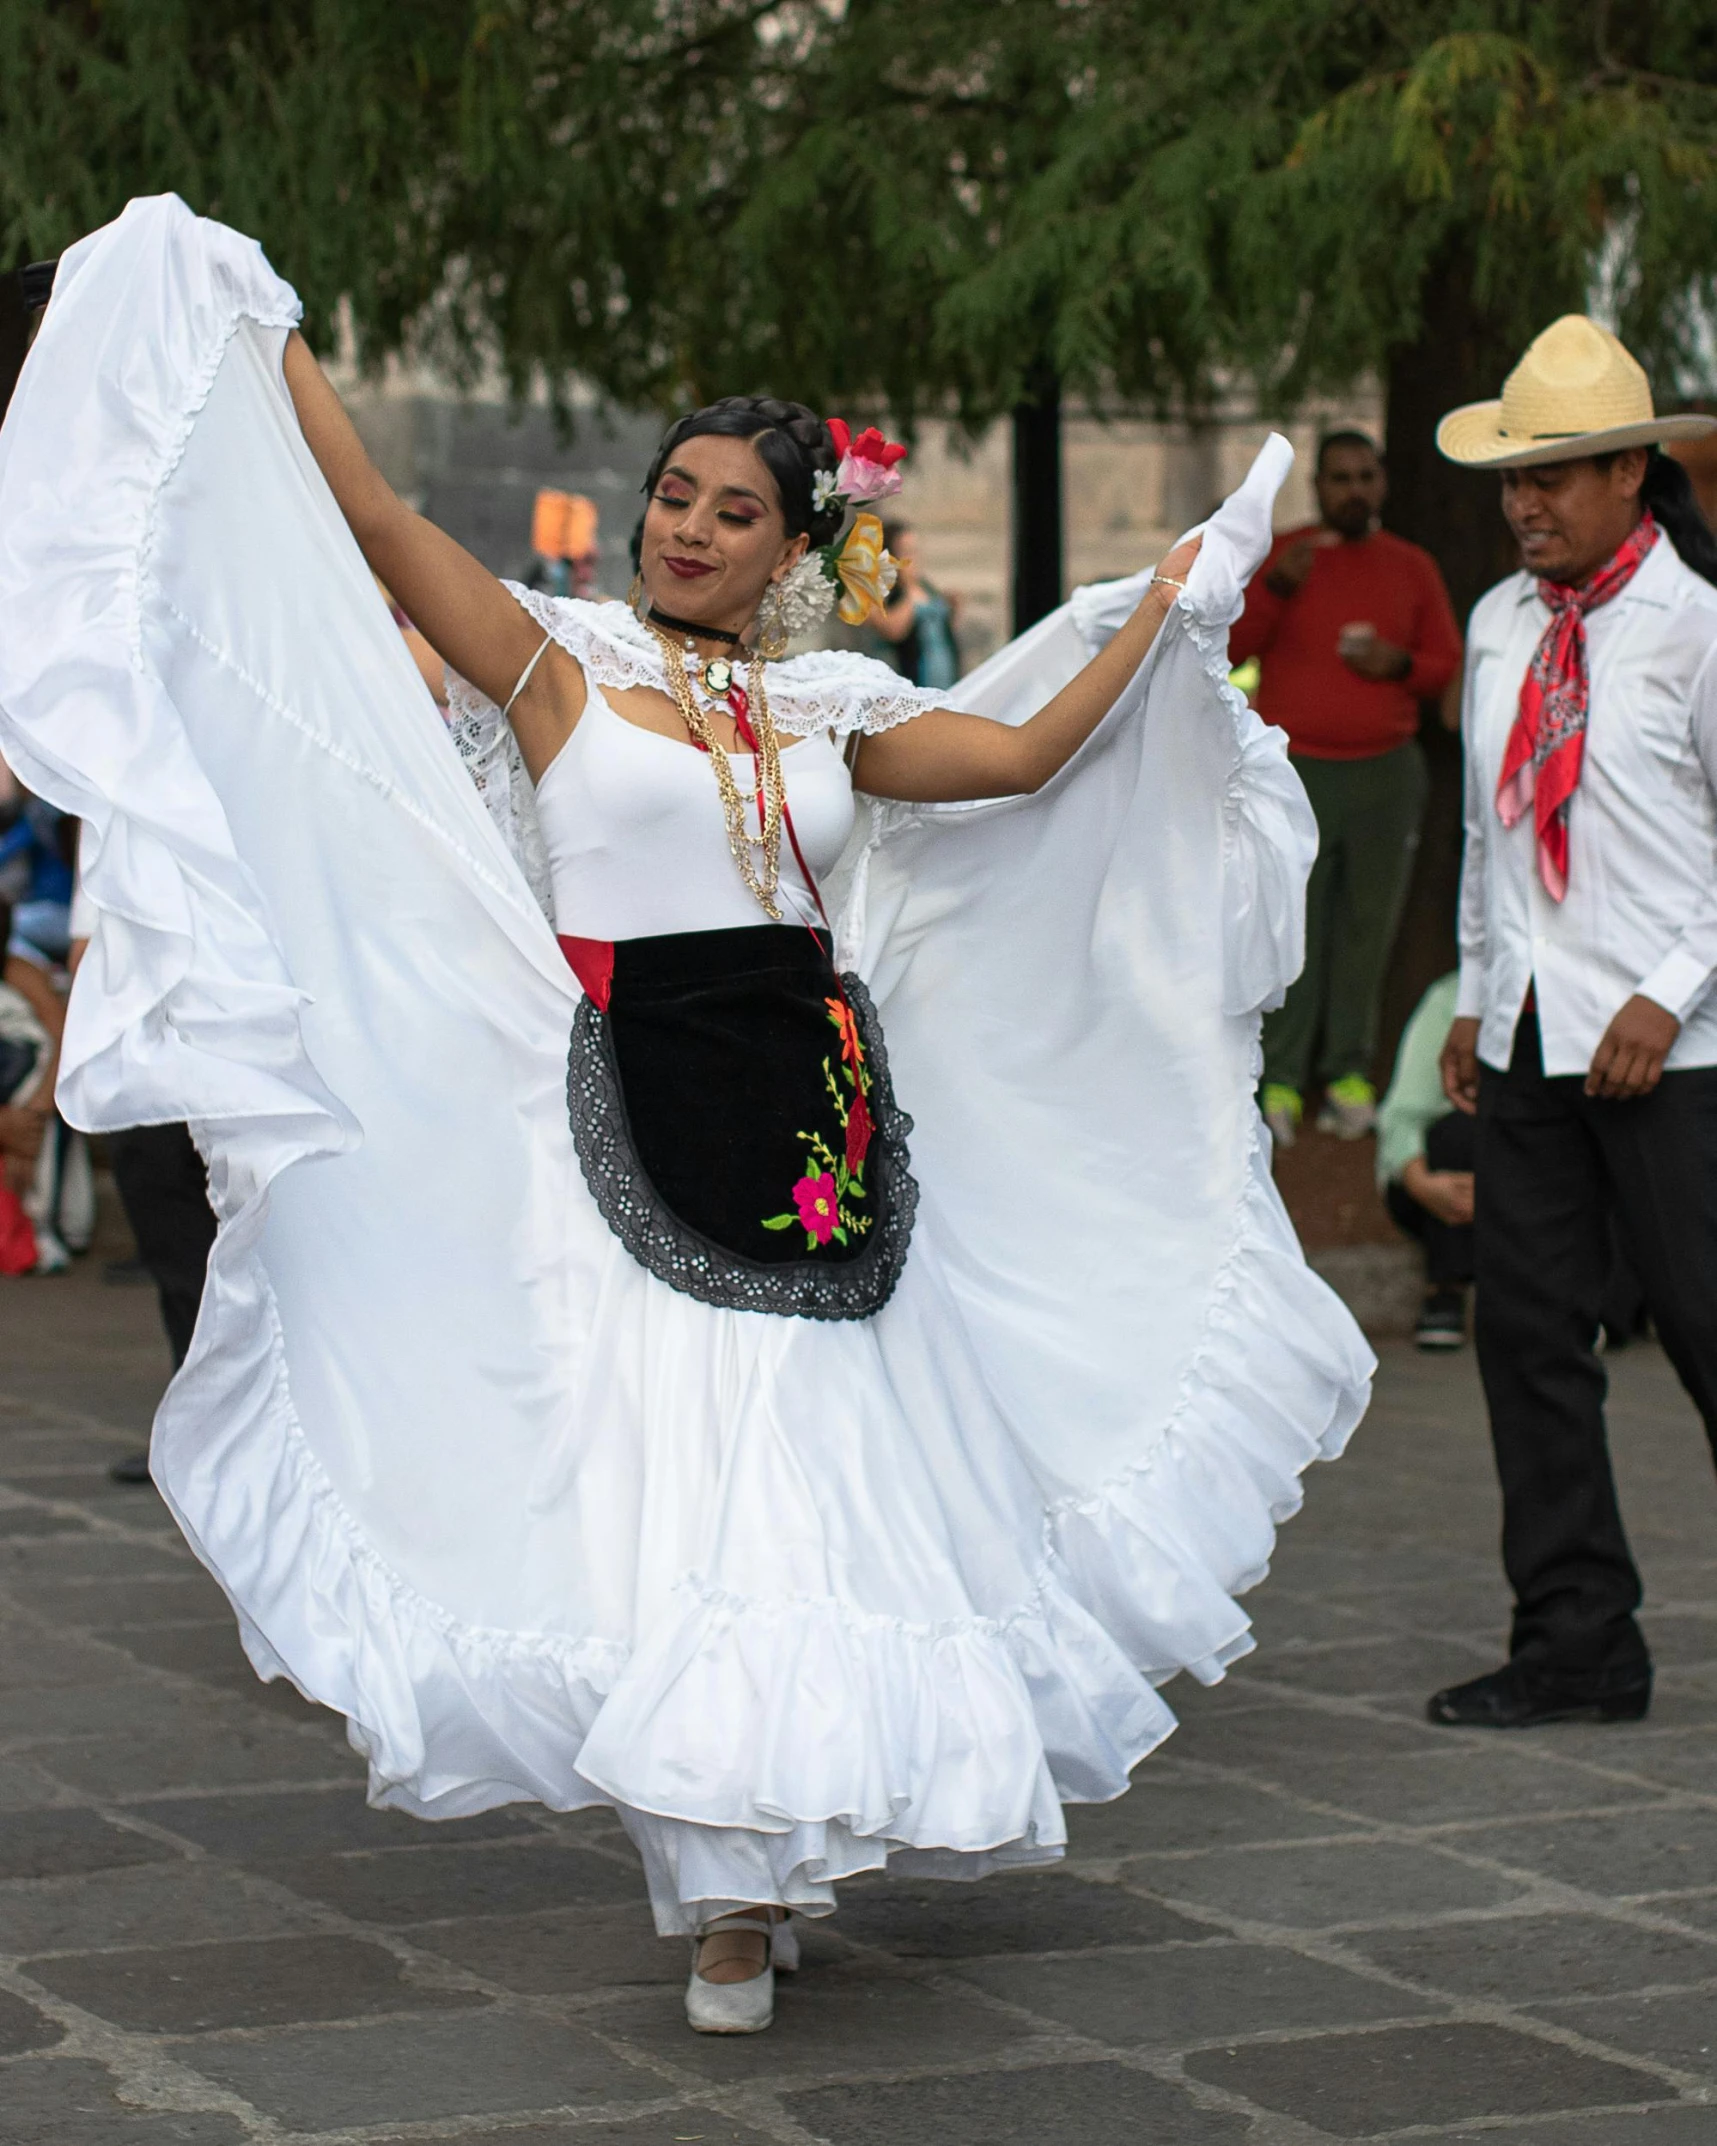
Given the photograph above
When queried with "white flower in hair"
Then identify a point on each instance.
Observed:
(807, 594)
(823, 489)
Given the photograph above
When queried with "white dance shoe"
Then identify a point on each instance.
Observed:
(740, 2007)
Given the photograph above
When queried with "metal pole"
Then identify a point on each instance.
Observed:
(1037, 547)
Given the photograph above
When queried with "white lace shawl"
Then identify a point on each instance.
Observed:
(832, 689)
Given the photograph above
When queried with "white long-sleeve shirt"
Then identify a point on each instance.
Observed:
(1641, 909)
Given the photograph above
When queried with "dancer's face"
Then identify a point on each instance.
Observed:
(714, 534)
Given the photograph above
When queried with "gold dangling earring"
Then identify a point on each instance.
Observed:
(638, 601)
(773, 638)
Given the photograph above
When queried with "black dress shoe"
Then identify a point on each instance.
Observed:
(1522, 1696)
(134, 1468)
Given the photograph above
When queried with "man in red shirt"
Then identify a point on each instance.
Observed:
(1353, 629)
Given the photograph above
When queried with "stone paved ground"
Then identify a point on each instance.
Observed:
(1314, 1919)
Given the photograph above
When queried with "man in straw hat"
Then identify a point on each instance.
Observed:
(1585, 1038)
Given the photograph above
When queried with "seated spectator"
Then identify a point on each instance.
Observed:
(28, 1052)
(59, 1190)
(37, 845)
(1425, 1168)
(1425, 1173)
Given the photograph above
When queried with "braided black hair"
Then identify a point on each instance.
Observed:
(795, 446)
(1668, 492)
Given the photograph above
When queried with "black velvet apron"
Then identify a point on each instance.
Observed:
(731, 1109)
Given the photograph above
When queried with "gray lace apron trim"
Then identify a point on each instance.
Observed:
(694, 1264)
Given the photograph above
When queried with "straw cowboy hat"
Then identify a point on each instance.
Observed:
(1576, 392)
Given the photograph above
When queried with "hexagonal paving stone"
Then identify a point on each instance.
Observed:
(405, 2071)
(23, 2027)
(434, 1884)
(1048, 2105)
(283, 1981)
(57, 1843)
(1194, 1993)
(1357, 2084)
(65, 2101)
(1040, 1912)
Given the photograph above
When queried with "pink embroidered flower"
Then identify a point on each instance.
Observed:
(867, 469)
(858, 1133)
(815, 1197)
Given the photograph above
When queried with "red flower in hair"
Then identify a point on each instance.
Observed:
(867, 468)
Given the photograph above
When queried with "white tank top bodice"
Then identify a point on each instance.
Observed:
(637, 840)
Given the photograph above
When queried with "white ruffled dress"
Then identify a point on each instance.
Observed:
(797, 1598)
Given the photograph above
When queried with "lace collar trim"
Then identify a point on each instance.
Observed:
(827, 689)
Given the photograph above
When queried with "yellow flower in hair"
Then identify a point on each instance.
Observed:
(867, 572)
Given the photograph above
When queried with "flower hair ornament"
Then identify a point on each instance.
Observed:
(855, 567)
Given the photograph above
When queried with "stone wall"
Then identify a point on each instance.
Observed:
(1130, 488)
(474, 465)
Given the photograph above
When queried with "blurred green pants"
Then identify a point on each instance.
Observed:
(1369, 814)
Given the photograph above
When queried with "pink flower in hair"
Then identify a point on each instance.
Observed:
(868, 464)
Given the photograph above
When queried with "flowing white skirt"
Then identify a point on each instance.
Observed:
(796, 1598)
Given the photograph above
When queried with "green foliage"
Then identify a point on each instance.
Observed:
(904, 200)
(1277, 186)
(319, 126)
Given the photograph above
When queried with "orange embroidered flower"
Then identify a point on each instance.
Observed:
(852, 1050)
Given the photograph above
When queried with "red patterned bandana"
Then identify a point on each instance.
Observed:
(1547, 746)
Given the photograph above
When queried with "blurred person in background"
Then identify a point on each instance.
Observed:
(28, 1054)
(1584, 1042)
(1352, 628)
(916, 626)
(164, 1190)
(1425, 1151)
(36, 843)
(1425, 1168)
(565, 544)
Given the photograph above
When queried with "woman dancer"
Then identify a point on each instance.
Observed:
(646, 1427)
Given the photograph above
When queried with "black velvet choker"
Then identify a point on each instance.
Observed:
(683, 625)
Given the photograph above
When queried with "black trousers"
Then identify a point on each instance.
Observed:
(1553, 1167)
(1449, 1145)
(164, 1190)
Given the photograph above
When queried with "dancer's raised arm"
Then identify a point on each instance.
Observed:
(945, 755)
(460, 608)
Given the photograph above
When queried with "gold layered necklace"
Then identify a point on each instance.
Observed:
(758, 856)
